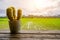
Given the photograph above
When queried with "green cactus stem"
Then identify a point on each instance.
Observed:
(10, 13)
(19, 13)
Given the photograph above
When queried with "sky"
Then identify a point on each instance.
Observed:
(29, 4)
(35, 7)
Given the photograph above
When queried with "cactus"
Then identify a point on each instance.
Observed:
(11, 13)
(14, 22)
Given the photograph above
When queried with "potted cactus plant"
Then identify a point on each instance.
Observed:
(14, 22)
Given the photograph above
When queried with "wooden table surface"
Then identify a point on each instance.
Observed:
(31, 35)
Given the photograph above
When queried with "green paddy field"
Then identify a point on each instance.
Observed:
(34, 23)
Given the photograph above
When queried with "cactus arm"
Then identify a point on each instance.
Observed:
(14, 13)
(9, 13)
(19, 14)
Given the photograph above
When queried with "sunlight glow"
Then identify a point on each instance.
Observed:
(31, 4)
(35, 7)
(42, 3)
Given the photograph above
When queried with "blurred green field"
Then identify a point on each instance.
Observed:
(34, 23)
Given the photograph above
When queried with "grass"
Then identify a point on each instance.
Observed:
(34, 23)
